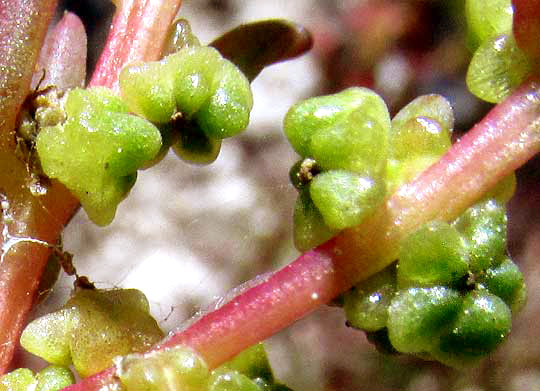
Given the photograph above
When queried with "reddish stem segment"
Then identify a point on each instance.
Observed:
(138, 32)
(23, 28)
(504, 140)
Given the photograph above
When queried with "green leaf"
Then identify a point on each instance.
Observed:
(256, 45)
(497, 68)
(487, 19)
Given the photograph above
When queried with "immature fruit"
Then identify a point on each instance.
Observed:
(176, 368)
(481, 325)
(366, 305)
(417, 317)
(420, 135)
(93, 327)
(483, 226)
(306, 118)
(310, 229)
(96, 153)
(507, 282)
(345, 198)
(433, 255)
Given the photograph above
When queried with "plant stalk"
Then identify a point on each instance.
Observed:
(504, 140)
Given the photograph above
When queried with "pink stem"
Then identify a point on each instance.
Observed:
(505, 139)
(138, 32)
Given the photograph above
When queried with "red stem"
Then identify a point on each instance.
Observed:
(23, 28)
(505, 139)
(138, 33)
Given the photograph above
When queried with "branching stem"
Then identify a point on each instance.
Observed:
(504, 140)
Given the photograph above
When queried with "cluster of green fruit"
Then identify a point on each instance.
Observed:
(452, 292)
(191, 99)
(52, 378)
(500, 62)
(450, 296)
(95, 328)
(352, 155)
(181, 369)
(92, 328)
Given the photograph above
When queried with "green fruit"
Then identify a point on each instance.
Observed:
(306, 118)
(48, 336)
(94, 327)
(194, 71)
(483, 226)
(497, 68)
(227, 111)
(97, 151)
(487, 19)
(252, 362)
(177, 368)
(433, 255)
(366, 304)
(310, 230)
(507, 282)
(356, 142)
(344, 198)
(54, 378)
(481, 325)
(21, 379)
(417, 317)
(147, 89)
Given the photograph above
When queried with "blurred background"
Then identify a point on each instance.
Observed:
(189, 234)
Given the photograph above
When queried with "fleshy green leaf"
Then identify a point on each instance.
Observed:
(497, 68)
(487, 19)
